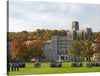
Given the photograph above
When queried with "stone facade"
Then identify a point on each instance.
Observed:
(75, 28)
(75, 25)
(59, 45)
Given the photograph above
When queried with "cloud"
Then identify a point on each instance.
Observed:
(48, 15)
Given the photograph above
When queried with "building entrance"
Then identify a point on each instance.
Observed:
(62, 57)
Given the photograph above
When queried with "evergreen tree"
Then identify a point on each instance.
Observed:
(82, 36)
(75, 35)
(85, 36)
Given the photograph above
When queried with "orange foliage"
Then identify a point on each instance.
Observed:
(19, 49)
(35, 49)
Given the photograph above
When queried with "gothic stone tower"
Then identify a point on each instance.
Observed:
(75, 25)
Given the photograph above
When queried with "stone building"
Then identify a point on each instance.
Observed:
(75, 28)
(96, 49)
(59, 45)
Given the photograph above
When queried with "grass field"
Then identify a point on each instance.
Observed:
(45, 69)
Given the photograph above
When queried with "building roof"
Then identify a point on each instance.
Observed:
(97, 40)
(46, 42)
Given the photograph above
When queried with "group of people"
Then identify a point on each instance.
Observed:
(15, 66)
(56, 64)
(89, 64)
(22, 65)
(76, 64)
(93, 64)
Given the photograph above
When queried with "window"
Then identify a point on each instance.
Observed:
(62, 57)
(66, 52)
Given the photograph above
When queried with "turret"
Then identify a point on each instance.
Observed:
(75, 25)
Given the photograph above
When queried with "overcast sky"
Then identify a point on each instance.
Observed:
(29, 16)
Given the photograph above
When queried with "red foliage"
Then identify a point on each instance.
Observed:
(97, 40)
(17, 48)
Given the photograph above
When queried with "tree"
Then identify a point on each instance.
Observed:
(75, 48)
(82, 36)
(42, 33)
(95, 35)
(85, 36)
(81, 48)
(19, 49)
(75, 35)
(87, 49)
(35, 49)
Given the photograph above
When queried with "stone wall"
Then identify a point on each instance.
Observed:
(60, 45)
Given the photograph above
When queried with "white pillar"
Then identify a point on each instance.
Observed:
(59, 60)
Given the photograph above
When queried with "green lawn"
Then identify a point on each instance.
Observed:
(45, 69)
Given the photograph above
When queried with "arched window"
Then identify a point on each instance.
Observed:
(62, 57)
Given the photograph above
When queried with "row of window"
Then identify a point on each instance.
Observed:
(70, 38)
(62, 40)
(62, 52)
(62, 47)
(62, 43)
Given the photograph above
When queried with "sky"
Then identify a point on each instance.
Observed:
(32, 15)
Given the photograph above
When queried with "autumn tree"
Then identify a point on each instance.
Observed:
(81, 48)
(88, 51)
(35, 49)
(30, 36)
(19, 49)
(95, 35)
(75, 48)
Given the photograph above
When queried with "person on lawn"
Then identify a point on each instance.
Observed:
(12, 66)
(17, 65)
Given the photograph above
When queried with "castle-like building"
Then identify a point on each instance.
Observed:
(75, 28)
(58, 46)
